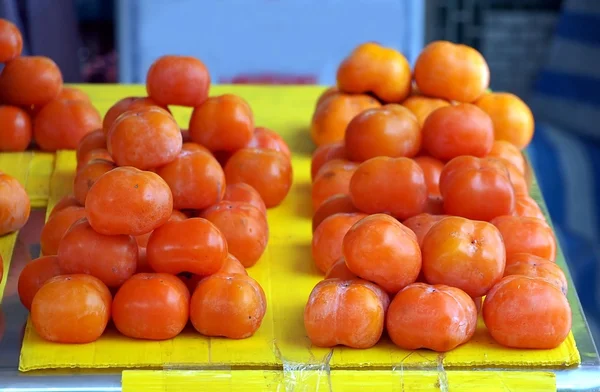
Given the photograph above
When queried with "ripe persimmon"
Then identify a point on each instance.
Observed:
(423, 106)
(15, 128)
(142, 240)
(333, 179)
(242, 192)
(34, 275)
(30, 80)
(537, 267)
(432, 169)
(73, 94)
(56, 227)
(11, 41)
(338, 203)
(14, 204)
(269, 139)
(90, 141)
(66, 201)
(87, 175)
(325, 153)
(339, 270)
(421, 223)
(127, 104)
(509, 154)
(526, 235)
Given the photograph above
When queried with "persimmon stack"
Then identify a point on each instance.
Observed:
(158, 231)
(421, 195)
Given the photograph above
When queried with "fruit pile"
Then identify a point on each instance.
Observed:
(34, 105)
(422, 213)
(164, 219)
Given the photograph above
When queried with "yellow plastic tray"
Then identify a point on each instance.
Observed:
(286, 272)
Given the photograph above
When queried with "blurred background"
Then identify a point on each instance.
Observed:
(545, 51)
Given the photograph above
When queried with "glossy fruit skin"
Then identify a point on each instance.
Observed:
(14, 204)
(432, 169)
(269, 139)
(339, 270)
(526, 235)
(128, 201)
(223, 123)
(93, 155)
(333, 178)
(420, 224)
(325, 153)
(526, 206)
(61, 124)
(232, 266)
(513, 120)
(127, 104)
(71, 309)
(241, 192)
(380, 249)
(466, 254)
(56, 227)
(435, 317)
(196, 180)
(178, 80)
(87, 175)
(509, 154)
(232, 306)
(372, 191)
(528, 313)
(34, 275)
(16, 128)
(30, 80)
(146, 138)
(452, 131)
(537, 267)
(339, 203)
(110, 258)
(331, 117)
(244, 227)
(151, 306)
(451, 71)
(73, 94)
(267, 171)
(90, 141)
(391, 131)
(333, 90)
(476, 188)
(11, 41)
(194, 245)
(142, 240)
(64, 202)
(346, 312)
(372, 68)
(328, 237)
(422, 106)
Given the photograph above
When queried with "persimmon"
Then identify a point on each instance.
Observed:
(142, 240)
(145, 138)
(56, 227)
(223, 123)
(325, 153)
(269, 139)
(509, 154)
(391, 131)
(30, 80)
(328, 92)
(196, 180)
(193, 245)
(423, 106)
(435, 317)
(432, 169)
(372, 68)
(451, 71)
(244, 227)
(90, 141)
(346, 312)
(178, 80)
(333, 178)
(11, 41)
(66, 201)
(242, 192)
(94, 155)
(14, 204)
(267, 171)
(517, 180)
(394, 185)
(232, 265)
(61, 124)
(328, 237)
(110, 258)
(421, 223)
(231, 306)
(332, 116)
(71, 309)
(128, 104)
(462, 253)
(526, 235)
(513, 120)
(15, 128)
(87, 175)
(528, 313)
(338, 203)
(73, 94)
(339, 270)
(537, 267)
(476, 188)
(34, 275)
(151, 306)
(380, 249)
(126, 200)
(452, 131)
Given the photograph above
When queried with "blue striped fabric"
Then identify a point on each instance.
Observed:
(565, 151)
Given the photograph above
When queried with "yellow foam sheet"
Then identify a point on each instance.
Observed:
(336, 380)
(286, 272)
